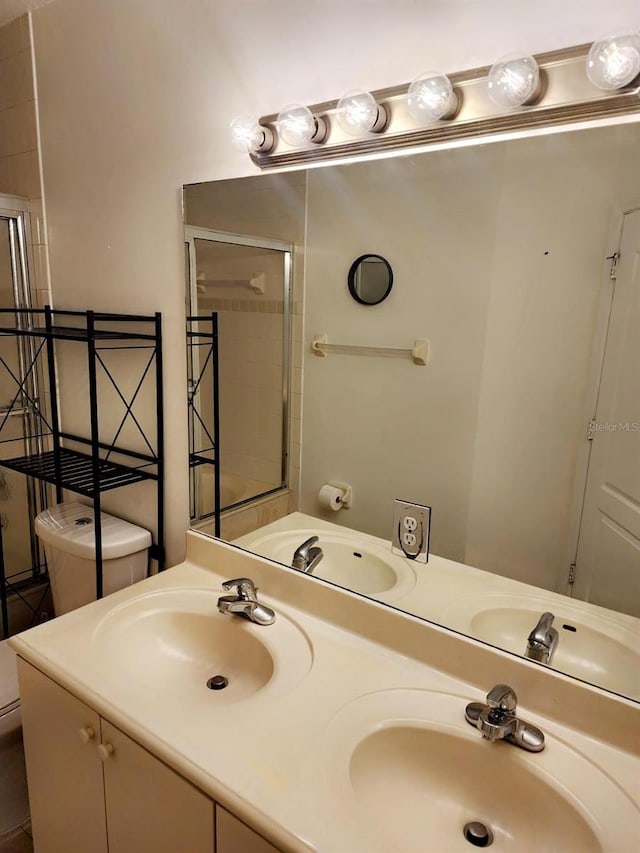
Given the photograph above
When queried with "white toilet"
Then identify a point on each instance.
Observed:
(14, 802)
(67, 533)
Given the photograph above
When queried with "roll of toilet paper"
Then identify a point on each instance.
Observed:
(330, 498)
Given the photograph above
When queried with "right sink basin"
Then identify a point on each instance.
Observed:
(599, 649)
(406, 769)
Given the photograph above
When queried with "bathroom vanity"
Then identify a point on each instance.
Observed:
(325, 738)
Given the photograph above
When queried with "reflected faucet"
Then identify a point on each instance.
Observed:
(497, 720)
(542, 641)
(306, 557)
(245, 603)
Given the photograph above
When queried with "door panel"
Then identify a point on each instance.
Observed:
(150, 808)
(64, 771)
(608, 562)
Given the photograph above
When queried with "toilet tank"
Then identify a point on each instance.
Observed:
(68, 536)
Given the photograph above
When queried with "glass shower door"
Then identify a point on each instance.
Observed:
(20, 497)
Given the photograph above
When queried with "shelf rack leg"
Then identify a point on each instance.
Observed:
(216, 424)
(3, 591)
(53, 394)
(160, 442)
(95, 448)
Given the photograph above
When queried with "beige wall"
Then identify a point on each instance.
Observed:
(498, 255)
(386, 426)
(135, 99)
(19, 172)
(19, 157)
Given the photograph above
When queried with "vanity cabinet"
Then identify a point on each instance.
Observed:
(92, 788)
(149, 807)
(64, 772)
(233, 836)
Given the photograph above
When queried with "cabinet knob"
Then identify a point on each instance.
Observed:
(86, 734)
(105, 750)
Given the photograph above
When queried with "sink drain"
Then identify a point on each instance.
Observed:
(478, 834)
(217, 682)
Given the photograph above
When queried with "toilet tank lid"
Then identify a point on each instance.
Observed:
(9, 692)
(70, 527)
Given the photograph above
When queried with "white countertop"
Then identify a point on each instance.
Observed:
(267, 759)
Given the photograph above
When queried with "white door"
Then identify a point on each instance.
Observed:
(608, 558)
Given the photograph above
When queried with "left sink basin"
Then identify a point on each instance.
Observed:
(173, 642)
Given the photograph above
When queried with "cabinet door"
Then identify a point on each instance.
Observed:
(63, 769)
(233, 836)
(150, 808)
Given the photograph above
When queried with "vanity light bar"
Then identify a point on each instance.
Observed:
(563, 93)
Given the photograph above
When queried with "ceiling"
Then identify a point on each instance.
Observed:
(10, 9)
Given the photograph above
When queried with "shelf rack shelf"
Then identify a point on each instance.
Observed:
(100, 466)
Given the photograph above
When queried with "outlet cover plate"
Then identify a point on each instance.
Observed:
(411, 530)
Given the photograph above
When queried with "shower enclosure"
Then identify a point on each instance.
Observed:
(21, 498)
(246, 281)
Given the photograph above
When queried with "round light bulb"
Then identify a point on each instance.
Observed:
(514, 81)
(357, 112)
(615, 61)
(431, 97)
(248, 135)
(297, 125)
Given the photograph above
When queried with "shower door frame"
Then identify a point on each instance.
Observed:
(193, 233)
(15, 211)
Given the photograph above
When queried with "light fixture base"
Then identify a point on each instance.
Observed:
(566, 96)
(321, 130)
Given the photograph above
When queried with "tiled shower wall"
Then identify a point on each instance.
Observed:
(19, 155)
(251, 367)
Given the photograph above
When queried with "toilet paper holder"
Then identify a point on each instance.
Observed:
(347, 492)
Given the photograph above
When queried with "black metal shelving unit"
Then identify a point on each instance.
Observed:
(84, 463)
(204, 428)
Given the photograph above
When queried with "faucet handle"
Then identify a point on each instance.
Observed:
(245, 586)
(502, 698)
(543, 631)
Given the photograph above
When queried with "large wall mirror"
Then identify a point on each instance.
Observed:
(519, 262)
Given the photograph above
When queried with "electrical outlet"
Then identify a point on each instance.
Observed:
(411, 530)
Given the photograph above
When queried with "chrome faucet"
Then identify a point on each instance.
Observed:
(306, 557)
(245, 603)
(497, 720)
(542, 641)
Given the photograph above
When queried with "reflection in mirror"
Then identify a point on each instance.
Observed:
(523, 433)
(370, 279)
(244, 282)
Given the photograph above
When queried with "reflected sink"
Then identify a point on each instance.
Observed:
(350, 560)
(172, 642)
(406, 769)
(600, 649)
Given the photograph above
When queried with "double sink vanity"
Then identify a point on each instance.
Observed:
(179, 715)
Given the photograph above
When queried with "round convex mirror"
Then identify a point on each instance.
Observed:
(370, 279)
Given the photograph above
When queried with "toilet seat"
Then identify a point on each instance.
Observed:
(9, 691)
